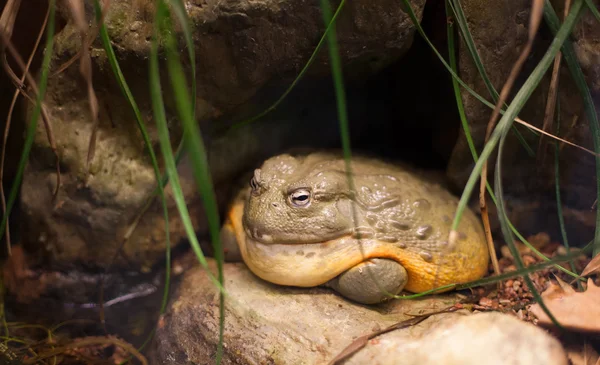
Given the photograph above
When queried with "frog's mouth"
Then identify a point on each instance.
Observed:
(312, 264)
(260, 236)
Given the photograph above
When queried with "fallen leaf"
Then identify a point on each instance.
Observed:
(593, 267)
(577, 311)
(568, 289)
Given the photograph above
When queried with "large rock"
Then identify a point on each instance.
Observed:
(499, 30)
(267, 324)
(240, 47)
(482, 338)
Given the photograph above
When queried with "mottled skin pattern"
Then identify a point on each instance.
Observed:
(295, 224)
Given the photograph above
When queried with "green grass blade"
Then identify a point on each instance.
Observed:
(181, 14)
(116, 69)
(461, 20)
(507, 233)
(340, 94)
(516, 105)
(313, 57)
(338, 81)
(455, 76)
(165, 143)
(593, 9)
(452, 72)
(197, 153)
(179, 10)
(35, 115)
(508, 275)
(471, 144)
(561, 218)
(590, 111)
(499, 135)
(456, 88)
(527, 270)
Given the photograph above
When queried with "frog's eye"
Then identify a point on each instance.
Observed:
(300, 197)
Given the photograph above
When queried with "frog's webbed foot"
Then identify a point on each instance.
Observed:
(229, 241)
(371, 281)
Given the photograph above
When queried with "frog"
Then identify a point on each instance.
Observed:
(368, 229)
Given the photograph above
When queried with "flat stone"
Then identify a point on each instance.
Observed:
(270, 324)
(460, 339)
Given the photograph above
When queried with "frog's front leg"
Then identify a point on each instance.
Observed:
(370, 281)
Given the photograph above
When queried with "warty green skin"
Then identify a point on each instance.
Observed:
(394, 215)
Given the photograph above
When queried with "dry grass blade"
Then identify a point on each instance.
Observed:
(20, 86)
(8, 17)
(7, 128)
(89, 41)
(78, 12)
(362, 341)
(534, 22)
(520, 121)
(6, 28)
(7, 23)
(550, 106)
(487, 228)
(552, 93)
(593, 267)
(86, 342)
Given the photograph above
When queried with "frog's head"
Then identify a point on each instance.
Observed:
(298, 200)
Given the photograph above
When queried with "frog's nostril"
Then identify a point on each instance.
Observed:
(275, 205)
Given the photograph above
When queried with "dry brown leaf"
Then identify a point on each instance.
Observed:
(593, 267)
(577, 311)
(568, 289)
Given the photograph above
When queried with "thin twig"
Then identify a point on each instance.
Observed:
(562, 140)
(19, 86)
(45, 117)
(534, 22)
(7, 23)
(90, 341)
(90, 40)
(362, 341)
(8, 17)
(552, 96)
(78, 13)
